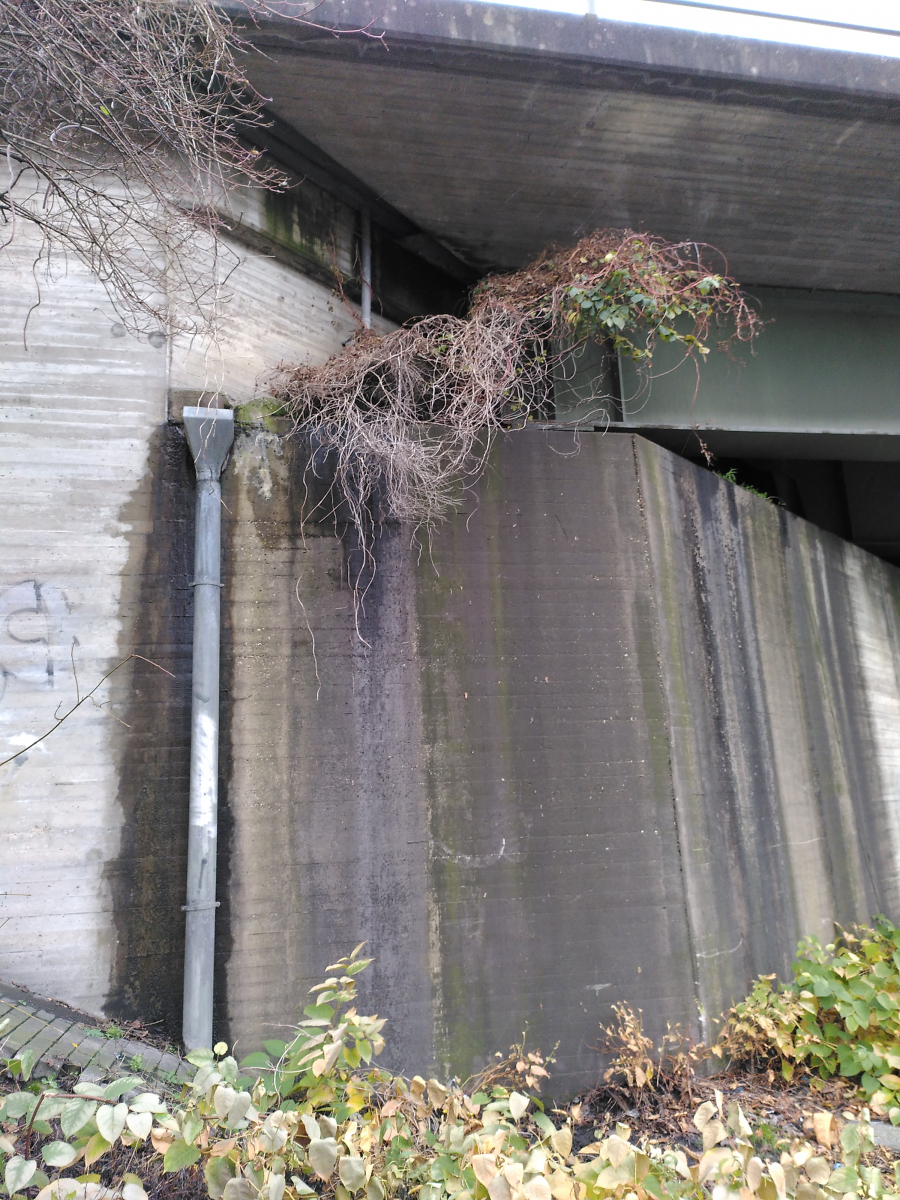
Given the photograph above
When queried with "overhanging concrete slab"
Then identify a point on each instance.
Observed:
(496, 130)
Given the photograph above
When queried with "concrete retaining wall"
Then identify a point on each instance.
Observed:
(96, 528)
(623, 731)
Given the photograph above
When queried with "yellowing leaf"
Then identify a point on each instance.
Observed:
(562, 1186)
(485, 1167)
(818, 1170)
(561, 1141)
(823, 1125)
(713, 1133)
(161, 1139)
(499, 1189)
(537, 1189)
(518, 1105)
(514, 1172)
(754, 1173)
(776, 1174)
(717, 1160)
(617, 1149)
(704, 1114)
(97, 1146)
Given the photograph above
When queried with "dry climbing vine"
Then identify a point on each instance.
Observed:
(406, 420)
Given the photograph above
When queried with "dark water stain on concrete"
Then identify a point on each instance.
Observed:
(147, 879)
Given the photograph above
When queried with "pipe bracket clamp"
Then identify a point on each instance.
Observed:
(200, 907)
(212, 582)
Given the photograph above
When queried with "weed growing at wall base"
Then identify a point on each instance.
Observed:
(315, 1117)
(839, 1016)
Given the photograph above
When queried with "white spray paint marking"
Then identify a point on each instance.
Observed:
(473, 860)
(205, 765)
(719, 953)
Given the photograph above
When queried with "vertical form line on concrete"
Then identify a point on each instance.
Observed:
(210, 433)
(365, 266)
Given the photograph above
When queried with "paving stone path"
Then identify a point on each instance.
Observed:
(60, 1036)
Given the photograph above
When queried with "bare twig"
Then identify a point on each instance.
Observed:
(79, 700)
(121, 123)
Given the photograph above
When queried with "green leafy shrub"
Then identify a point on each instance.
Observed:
(839, 1016)
(315, 1117)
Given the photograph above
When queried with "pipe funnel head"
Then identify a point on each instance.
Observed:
(210, 432)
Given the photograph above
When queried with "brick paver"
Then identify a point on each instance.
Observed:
(56, 1039)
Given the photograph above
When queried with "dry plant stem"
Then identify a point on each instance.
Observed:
(79, 700)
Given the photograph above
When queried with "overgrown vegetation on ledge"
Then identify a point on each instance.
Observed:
(407, 418)
(315, 1117)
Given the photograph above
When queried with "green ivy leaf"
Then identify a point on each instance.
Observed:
(217, 1172)
(58, 1154)
(18, 1173)
(119, 1087)
(179, 1155)
(76, 1114)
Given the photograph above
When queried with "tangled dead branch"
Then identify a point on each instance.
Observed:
(120, 125)
(407, 419)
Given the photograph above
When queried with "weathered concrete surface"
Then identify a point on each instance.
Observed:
(96, 495)
(623, 732)
(79, 403)
(501, 130)
(779, 648)
(626, 732)
(267, 303)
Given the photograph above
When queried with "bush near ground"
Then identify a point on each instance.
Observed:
(314, 1117)
(840, 1016)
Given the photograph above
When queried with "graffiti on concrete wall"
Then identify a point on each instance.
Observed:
(34, 641)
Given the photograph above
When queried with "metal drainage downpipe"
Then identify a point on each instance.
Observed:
(365, 267)
(210, 433)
